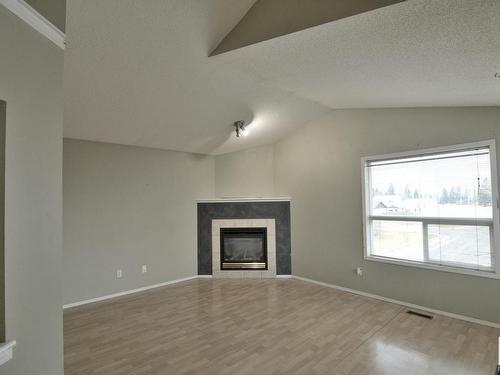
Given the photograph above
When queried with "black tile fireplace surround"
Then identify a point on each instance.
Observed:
(278, 210)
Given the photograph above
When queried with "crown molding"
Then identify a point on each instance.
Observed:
(38, 22)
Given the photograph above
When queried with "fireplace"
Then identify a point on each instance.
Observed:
(243, 249)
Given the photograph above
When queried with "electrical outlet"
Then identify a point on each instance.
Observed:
(144, 268)
(359, 271)
(119, 274)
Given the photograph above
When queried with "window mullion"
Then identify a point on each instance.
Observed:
(425, 235)
(493, 252)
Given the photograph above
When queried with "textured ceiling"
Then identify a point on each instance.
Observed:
(416, 53)
(138, 73)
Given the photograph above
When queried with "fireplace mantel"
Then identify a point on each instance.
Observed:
(244, 199)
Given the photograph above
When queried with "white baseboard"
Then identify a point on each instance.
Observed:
(397, 302)
(38, 22)
(114, 295)
(120, 294)
(354, 291)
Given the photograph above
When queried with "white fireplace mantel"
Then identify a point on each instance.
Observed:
(244, 199)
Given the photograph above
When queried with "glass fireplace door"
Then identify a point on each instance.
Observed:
(243, 248)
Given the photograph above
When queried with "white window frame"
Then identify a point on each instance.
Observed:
(367, 218)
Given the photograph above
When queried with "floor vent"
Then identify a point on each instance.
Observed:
(422, 315)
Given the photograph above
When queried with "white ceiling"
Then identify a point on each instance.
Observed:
(137, 73)
(412, 54)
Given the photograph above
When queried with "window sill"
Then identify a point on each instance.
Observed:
(408, 263)
(6, 351)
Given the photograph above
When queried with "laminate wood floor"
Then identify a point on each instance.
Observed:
(272, 326)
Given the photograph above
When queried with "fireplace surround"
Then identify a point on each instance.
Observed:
(260, 234)
(271, 213)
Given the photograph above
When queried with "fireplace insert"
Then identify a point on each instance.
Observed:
(243, 249)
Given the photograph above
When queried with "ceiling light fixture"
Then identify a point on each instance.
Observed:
(240, 129)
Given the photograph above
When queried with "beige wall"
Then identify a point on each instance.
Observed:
(31, 69)
(319, 167)
(247, 173)
(127, 206)
(133, 192)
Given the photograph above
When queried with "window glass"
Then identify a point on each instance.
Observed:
(434, 208)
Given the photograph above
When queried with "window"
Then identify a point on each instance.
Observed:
(434, 208)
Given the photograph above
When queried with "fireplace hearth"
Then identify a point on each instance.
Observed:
(243, 249)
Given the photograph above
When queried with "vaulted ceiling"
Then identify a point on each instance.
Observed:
(418, 53)
(140, 73)
(268, 19)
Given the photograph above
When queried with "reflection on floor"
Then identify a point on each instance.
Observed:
(269, 326)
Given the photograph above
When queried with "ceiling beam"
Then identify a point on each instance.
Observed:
(269, 19)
